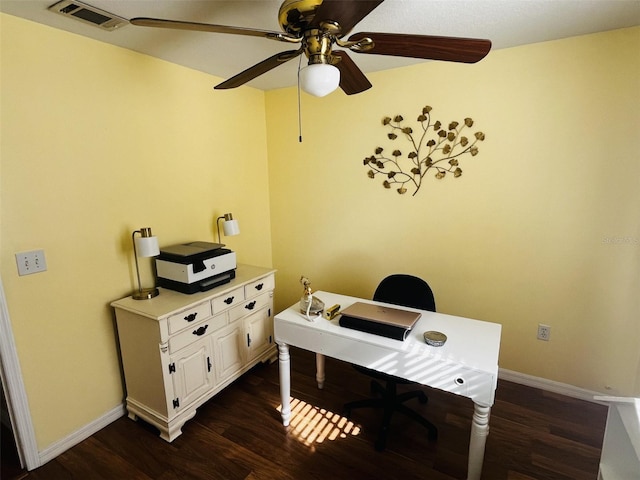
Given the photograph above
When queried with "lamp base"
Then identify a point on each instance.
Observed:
(145, 293)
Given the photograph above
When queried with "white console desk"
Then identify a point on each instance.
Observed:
(466, 365)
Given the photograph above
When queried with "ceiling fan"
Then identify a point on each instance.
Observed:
(317, 26)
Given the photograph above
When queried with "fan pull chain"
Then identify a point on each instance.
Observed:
(299, 108)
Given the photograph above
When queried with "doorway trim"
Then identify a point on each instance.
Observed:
(15, 392)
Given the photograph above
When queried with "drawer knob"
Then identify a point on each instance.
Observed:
(250, 305)
(259, 286)
(191, 317)
(200, 331)
(228, 300)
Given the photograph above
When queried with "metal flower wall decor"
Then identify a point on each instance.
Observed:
(432, 148)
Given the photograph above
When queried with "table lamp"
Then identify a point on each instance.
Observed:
(146, 245)
(230, 226)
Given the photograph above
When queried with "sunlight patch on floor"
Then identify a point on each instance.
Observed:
(311, 424)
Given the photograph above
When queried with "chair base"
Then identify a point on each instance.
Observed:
(391, 402)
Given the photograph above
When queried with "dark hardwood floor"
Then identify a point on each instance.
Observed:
(239, 435)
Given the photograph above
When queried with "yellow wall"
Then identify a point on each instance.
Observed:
(98, 141)
(542, 227)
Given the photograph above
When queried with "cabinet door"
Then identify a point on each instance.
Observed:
(229, 350)
(193, 373)
(259, 332)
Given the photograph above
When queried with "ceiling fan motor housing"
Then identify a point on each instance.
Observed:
(295, 15)
(317, 46)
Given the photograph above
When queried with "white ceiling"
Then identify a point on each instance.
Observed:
(506, 23)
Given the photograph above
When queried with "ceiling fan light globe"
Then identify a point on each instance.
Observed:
(319, 79)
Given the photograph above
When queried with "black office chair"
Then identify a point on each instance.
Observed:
(409, 291)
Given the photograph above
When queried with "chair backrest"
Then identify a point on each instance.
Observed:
(405, 290)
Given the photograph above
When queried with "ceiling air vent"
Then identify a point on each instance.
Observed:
(88, 14)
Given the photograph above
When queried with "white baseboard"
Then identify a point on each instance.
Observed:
(61, 446)
(548, 385)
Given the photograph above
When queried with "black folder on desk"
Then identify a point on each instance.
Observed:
(389, 322)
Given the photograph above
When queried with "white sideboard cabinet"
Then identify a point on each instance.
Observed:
(179, 350)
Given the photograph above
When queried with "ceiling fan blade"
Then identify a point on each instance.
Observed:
(352, 79)
(208, 27)
(258, 69)
(450, 49)
(346, 12)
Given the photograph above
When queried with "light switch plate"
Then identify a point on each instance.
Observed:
(31, 262)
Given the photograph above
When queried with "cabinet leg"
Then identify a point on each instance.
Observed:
(171, 433)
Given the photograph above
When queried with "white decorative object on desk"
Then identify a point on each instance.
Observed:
(310, 305)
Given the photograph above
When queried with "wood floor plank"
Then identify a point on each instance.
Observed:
(238, 435)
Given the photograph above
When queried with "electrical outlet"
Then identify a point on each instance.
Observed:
(31, 262)
(544, 332)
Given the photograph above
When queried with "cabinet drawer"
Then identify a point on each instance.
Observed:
(188, 317)
(227, 300)
(194, 333)
(259, 286)
(250, 305)
(217, 322)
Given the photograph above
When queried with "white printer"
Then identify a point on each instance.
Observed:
(195, 267)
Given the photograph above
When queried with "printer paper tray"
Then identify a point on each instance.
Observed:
(201, 286)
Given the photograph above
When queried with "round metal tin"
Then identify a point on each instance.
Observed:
(435, 339)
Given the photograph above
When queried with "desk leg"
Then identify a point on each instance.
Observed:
(285, 382)
(320, 370)
(479, 432)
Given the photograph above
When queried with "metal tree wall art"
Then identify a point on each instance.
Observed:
(432, 148)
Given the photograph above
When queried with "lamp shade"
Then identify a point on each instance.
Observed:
(147, 246)
(319, 79)
(231, 227)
